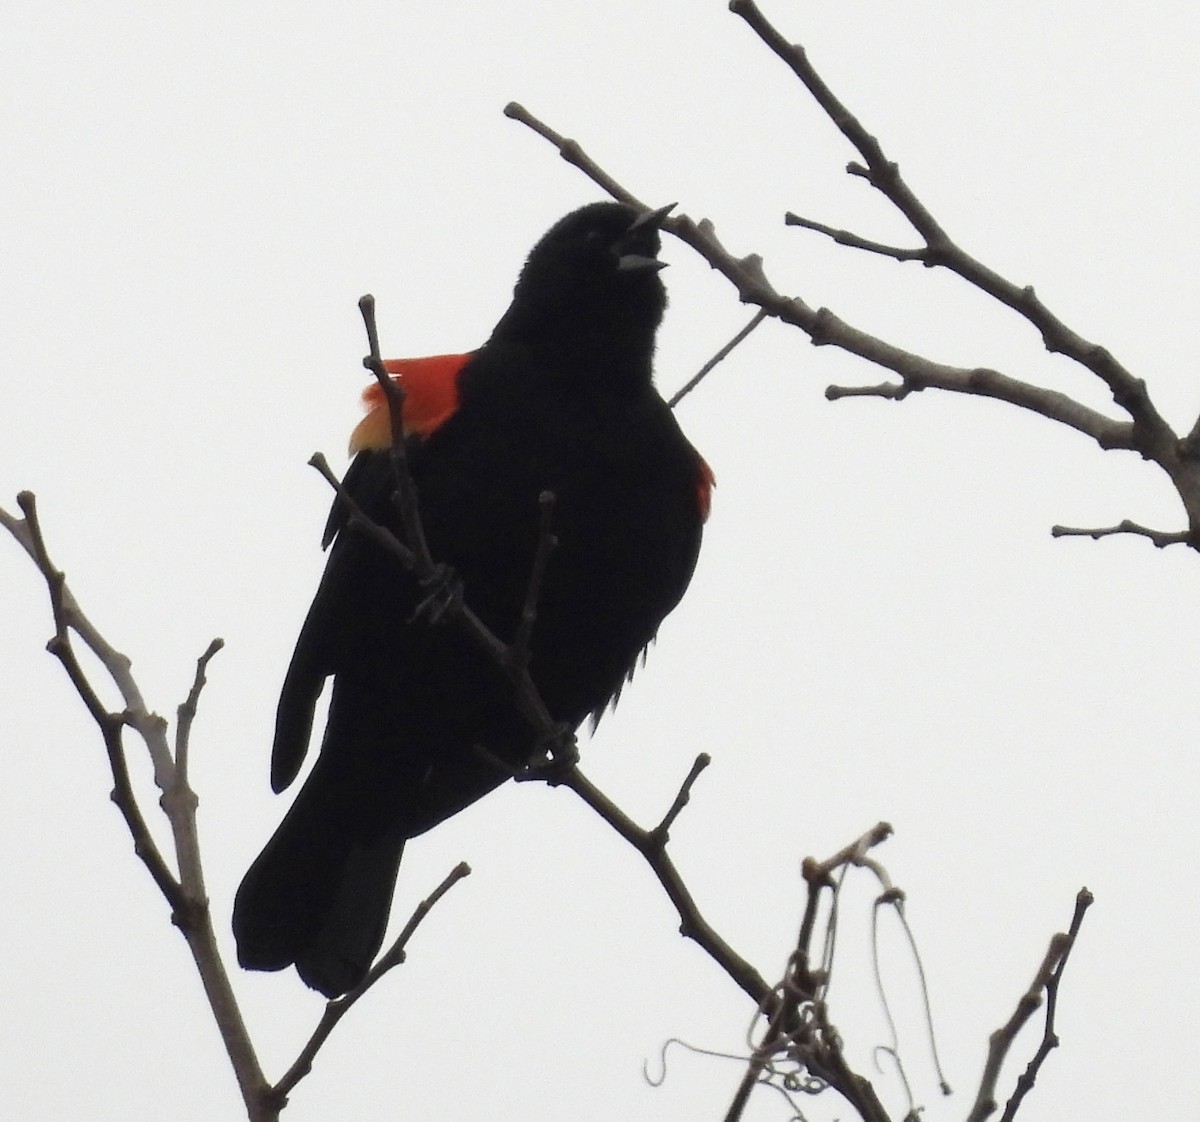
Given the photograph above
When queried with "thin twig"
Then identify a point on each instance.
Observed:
(720, 356)
(798, 1024)
(335, 1010)
(662, 832)
(186, 713)
(856, 853)
(573, 154)
(357, 517)
(1001, 1041)
(854, 241)
(776, 1032)
(406, 492)
(529, 701)
(895, 899)
(67, 617)
(652, 847)
(546, 542)
(1160, 538)
(926, 1005)
(179, 801)
(1083, 901)
(891, 391)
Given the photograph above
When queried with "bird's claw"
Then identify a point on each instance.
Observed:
(444, 593)
(555, 754)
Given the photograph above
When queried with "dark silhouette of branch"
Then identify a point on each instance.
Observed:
(940, 250)
(800, 1051)
(661, 832)
(884, 175)
(1046, 981)
(457, 612)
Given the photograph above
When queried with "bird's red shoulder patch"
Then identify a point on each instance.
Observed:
(705, 482)
(430, 398)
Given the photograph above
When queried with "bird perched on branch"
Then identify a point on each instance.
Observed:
(422, 721)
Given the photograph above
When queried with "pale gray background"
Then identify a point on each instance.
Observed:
(880, 626)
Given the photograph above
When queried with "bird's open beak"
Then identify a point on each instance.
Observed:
(647, 220)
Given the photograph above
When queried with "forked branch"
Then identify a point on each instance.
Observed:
(1045, 984)
(184, 892)
(1142, 428)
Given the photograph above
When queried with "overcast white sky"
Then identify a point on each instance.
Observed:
(880, 626)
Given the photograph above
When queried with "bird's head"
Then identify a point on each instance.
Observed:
(592, 279)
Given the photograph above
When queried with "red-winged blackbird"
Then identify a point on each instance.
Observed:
(559, 399)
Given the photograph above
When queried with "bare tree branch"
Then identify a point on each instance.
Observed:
(459, 612)
(1000, 1042)
(1160, 538)
(827, 329)
(799, 1030)
(1146, 431)
(335, 1010)
(406, 492)
(652, 845)
(884, 175)
(185, 894)
(663, 830)
(570, 151)
(1083, 901)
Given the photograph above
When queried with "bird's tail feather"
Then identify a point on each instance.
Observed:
(352, 932)
(318, 896)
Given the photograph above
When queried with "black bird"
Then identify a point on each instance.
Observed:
(559, 399)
